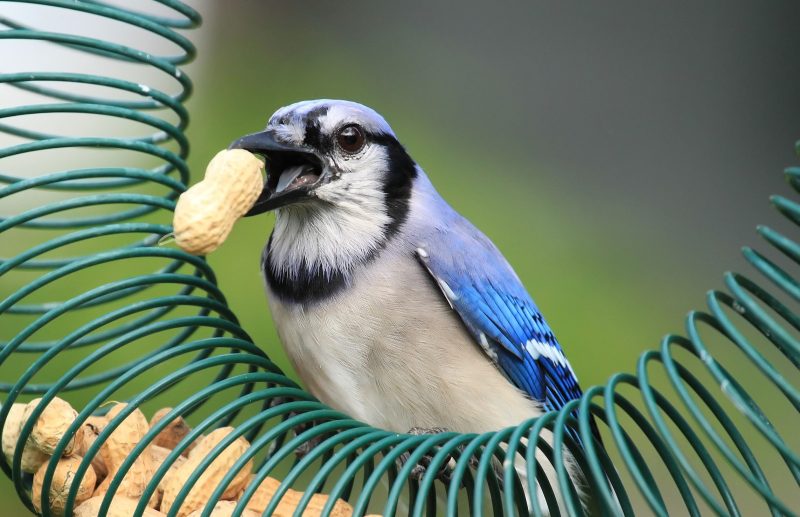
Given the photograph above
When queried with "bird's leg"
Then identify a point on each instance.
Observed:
(304, 448)
(445, 470)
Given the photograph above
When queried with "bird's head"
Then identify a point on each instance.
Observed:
(328, 152)
(339, 181)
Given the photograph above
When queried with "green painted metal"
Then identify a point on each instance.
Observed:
(699, 447)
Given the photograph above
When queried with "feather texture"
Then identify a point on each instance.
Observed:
(500, 315)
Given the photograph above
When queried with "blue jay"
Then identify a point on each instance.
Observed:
(391, 306)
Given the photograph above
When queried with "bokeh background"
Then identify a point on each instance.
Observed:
(619, 154)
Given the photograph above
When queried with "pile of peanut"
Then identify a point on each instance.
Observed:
(56, 418)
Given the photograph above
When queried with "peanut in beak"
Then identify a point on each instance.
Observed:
(206, 213)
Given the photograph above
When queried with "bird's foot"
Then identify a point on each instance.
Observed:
(445, 471)
(304, 448)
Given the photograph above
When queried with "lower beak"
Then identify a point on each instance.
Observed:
(293, 172)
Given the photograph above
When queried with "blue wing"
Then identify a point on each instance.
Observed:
(481, 287)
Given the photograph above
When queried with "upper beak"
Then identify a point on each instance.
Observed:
(278, 157)
(261, 143)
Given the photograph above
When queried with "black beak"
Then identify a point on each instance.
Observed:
(280, 157)
(261, 143)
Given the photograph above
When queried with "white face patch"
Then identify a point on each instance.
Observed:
(342, 113)
(340, 228)
(293, 132)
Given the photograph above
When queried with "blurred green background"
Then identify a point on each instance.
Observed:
(618, 156)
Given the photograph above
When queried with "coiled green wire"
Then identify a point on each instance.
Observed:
(215, 356)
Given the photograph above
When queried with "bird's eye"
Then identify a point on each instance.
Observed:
(350, 139)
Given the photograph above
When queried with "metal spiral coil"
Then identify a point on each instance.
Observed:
(165, 336)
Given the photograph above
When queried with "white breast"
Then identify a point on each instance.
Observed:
(389, 351)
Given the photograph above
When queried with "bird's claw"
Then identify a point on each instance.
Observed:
(445, 471)
(304, 448)
(307, 446)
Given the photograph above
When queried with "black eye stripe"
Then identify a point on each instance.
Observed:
(313, 136)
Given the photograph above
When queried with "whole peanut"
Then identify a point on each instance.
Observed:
(32, 458)
(289, 502)
(211, 476)
(118, 447)
(204, 214)
(52, 425)
(63, 479)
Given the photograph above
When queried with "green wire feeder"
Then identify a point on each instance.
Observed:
(680, 441)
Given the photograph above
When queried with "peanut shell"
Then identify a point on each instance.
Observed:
(171, 435)
(288, 504)
(117, 449)
(159, 456)
(92, 428)
(225, 509)
(205, 214)
(32, 458)
(208, 481)
(120, 507)
(52, 425)
(63, 478)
